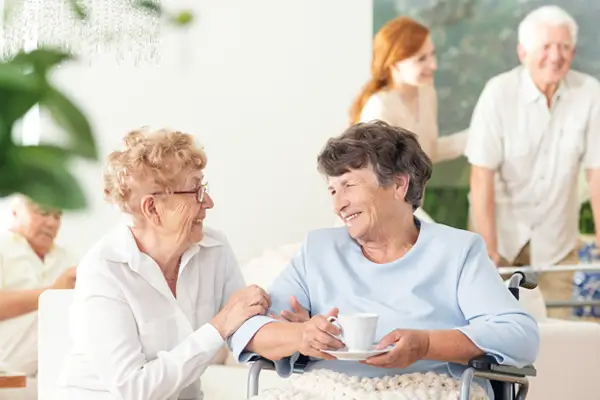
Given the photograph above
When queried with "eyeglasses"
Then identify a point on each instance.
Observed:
(200, 192)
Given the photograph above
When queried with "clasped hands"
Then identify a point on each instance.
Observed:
(318, 335)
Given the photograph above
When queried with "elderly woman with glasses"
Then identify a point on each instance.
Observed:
(157, 297)
(439, 299)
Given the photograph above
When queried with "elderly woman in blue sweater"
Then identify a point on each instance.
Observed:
(439, 298)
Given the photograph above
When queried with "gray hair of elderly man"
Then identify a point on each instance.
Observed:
(546, 15)
(19, 201)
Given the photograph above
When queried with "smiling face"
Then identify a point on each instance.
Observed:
(419, 69)
(548, 58)
(363, 204)
(38, 225)
(180, 216)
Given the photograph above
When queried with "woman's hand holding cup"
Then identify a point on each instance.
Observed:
(319, 334)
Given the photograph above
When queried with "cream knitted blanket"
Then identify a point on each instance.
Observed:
(329, 385)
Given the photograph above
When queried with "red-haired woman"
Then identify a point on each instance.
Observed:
(401, 92)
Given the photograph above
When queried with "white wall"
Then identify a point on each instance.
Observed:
(264, 83)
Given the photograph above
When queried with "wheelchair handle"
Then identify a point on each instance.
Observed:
(522, 279)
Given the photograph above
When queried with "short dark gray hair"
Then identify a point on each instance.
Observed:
(389, 150)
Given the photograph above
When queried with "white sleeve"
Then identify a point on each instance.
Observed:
(105, 327)
(64, 261)
(484, 142)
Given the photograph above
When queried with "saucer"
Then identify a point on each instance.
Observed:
(356, 355)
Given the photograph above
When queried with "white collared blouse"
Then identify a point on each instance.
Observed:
(131, 338)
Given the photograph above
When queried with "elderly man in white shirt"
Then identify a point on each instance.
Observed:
(30, 263)
(155, 299)
(532, 130)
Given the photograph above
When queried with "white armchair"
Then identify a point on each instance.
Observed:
(569, 359)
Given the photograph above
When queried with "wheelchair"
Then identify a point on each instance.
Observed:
(508, 383)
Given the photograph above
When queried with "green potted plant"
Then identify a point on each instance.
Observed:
(42, 172)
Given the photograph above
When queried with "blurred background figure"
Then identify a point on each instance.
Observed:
(533, 129)
(401, 90)
(30, 263)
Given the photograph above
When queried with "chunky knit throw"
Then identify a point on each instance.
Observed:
(329, 385)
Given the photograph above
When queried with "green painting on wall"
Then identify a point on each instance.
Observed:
(476, 40)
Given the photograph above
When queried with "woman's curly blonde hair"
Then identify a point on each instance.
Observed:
(152, 161)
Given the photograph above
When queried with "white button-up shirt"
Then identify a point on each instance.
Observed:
(132, 339)
(22, 269)
(537, 153)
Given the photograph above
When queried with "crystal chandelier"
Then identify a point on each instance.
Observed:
(114, 30)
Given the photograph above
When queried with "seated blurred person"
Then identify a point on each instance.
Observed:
(30, 263)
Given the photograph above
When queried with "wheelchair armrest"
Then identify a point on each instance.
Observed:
(487, 363)
(300, 364)
(298, 367)
(260, 363)
(265, 363)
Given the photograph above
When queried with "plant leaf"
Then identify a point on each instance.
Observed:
(44, 154)
(79, 9)
(72, 119)
(41, 173)
(5, 131)
(6, 142)
(41, 59)
(183, 18)
(19, 91)
(14, 104)
(151, 6)
(13, 77)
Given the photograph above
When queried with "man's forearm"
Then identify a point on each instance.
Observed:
(483, 204)
(276, 340)
(14, 303)
(451, 346)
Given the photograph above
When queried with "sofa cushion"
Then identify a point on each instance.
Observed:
(533, 302)
(263, 269)
(221, 357)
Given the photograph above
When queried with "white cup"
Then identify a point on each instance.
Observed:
(358, 330)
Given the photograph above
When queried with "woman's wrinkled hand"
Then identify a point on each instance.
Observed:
(317, 336)
(410, 346)
(242, 305)
(298, 313)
